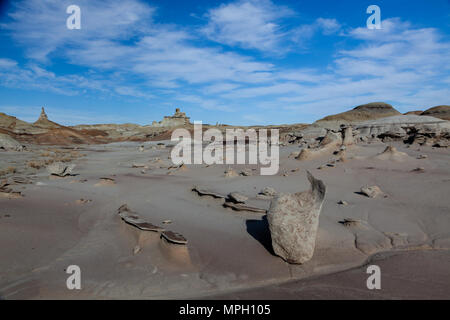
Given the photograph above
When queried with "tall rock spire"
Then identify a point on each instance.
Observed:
(43, 115)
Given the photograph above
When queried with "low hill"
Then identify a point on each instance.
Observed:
(417, 113)
(13, 124)
(441, 112)
(66, 136)
(370, 111)
(45, 131)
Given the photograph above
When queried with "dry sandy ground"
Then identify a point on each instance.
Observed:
(44, 232)
(404, 275)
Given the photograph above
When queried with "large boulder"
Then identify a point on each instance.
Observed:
(294, 220)
(9, 144)
(60, 169)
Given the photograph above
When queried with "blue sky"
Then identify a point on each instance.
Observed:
(237, 62)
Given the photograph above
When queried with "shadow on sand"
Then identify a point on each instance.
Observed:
(259, 229)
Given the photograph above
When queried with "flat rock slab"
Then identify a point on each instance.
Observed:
(133, 218)
(204, 192)
(20, 180)
(243, 207)
(147, 226)
(174, 237)
(237, 197)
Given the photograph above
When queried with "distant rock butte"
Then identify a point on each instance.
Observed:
(178, 119)
(374, 110)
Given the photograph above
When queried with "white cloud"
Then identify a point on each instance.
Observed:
(303, 33)
(328, 26)
(41, 25)
(220, 87)
(249, 24)
(162, 56)
(253, 24)
(133, 92)
(7, 63)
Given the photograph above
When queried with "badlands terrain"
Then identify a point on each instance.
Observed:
(108, 199)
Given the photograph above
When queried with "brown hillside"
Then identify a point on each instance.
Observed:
(441, 112)
(374, 110)
(417, 113)
(12, 123)
(64, 136)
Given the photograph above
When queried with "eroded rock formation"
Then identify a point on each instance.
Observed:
(178, 119)
(294, 220)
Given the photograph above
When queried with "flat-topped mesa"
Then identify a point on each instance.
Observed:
(178, 119)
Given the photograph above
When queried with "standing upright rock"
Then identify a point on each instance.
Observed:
(43, 115)
(44, 123)
(294, 220)
(347, 136)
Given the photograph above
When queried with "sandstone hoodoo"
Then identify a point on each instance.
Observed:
(43, 115)
(347, 136)
(294, 220)
(178, 119)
